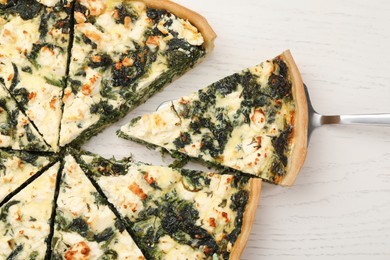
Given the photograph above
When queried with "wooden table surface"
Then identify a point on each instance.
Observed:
(339, 207)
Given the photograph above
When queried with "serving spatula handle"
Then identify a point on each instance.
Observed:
(364, 119)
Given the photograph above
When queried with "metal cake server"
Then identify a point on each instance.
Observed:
(316, 120)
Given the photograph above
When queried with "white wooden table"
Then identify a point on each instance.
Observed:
(339, 207)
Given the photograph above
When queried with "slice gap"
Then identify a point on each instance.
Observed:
(152, 47)
(182, 214)
(101, 196)
(16, 130)
(33, 64)
(254, 122)
(18, 169)
(53, 215)
(25, 219)
(85, 227)
(69, 60)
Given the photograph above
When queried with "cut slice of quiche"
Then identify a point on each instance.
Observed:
(123, 52)
(25, 219)
(254, 121)
(16, 130)
(17, 167)
(34, 41)
(85, 227)
(179, 214)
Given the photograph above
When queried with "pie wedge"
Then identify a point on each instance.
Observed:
(34, 41)
(85, 227)
(254, 121)
(122, 53)
(16, 130)
(25, 219)
(17, 167)
(179, 214)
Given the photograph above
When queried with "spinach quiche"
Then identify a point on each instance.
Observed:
(25, 219)
(178, 214)
(34, 40)
(122, 53)
(253, 121)
(16, 130)
(17, 168)
(84, 226)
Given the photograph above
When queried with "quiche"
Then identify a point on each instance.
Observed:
(69, 68)
(25, 219)
(254, 122)
(16, 130)
(178, 214)
(16, 169)
(84, 226)
(34, 39)
(122, 53)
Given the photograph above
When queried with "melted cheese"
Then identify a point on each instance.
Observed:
(183, 28)
(174, 251)
(24, 225)
(77, 200)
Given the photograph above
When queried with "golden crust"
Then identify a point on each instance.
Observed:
(196, 19)
(299, 139)
(248, 218)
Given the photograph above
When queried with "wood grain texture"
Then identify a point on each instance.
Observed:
(340, 205)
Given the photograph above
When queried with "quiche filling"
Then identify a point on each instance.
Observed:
(34, 39)
(16, 167)
(174, 214)
(85, 227)
(24, 229)
(16, 130)
(106, 80)
(243, 122)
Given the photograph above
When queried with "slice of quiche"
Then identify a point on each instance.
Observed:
(179, 214)
(123, 52)
(254, 121)
(16, 130)
(17, 167)
(85, 227)
(25, 219)
(34, 41)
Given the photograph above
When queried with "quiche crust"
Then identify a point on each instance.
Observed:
(193, 17)
(249, 216)
(299, 136)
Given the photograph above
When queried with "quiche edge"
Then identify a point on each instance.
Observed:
(299, 138)
(193, 17)
(248, 218)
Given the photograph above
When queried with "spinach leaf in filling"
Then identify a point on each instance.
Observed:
(123, 11)
(171, 216)
(27, 9)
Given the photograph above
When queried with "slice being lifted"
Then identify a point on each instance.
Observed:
(85, 227)
(16, 167)
(179, 214)
(25, 219)
(34, 42)
(16, 130)
(254, 121)
(123, 52)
